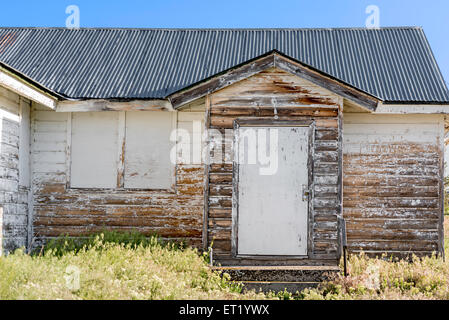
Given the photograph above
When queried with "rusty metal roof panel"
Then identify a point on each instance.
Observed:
(394, 64)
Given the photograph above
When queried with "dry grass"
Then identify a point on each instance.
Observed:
(111, 270)
(122, 269)
(382, 278)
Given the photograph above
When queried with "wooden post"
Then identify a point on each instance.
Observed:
(206, 174)
(343, 243)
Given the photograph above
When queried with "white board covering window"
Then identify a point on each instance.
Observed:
(147, 150)
(94, 149)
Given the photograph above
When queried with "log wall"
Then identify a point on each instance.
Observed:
(269, 93)
(14, 178)
(393, 192)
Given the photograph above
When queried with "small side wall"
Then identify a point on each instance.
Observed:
(59, 210)
(392, 176)
(14, 174)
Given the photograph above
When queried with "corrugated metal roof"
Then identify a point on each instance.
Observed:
(394, 64)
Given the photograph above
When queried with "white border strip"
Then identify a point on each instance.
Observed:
(410, 108)
(12, 83)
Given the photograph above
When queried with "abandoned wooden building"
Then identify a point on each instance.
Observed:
(150, 130)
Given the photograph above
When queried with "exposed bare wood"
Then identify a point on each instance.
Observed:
(173, 214)
(412, 109)
(392, 182)
(343, 90)
(110, 105)
(14, 170)
(206, 174)
(187, 95)
(284, 63)
(290, 99)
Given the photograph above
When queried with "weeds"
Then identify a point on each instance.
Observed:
(114, 266)
(131, 266)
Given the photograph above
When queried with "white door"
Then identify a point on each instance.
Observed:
(272, 211)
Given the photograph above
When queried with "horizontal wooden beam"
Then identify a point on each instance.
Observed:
(105, 105)
(413, 109)
(25, 89)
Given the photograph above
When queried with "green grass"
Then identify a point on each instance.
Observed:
(383, 278)
(114, 266)
(131, 266)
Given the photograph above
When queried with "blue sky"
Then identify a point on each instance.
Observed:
(432, 15)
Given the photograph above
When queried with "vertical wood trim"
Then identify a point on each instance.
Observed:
(121, 132)
(235, 190)
(311, 186)
(69, 149)
(206, 174)
(20, 176)
(174, 166)
(30, 231)
(340, 175)
(20, 138)
(24, 144)
(442, 191)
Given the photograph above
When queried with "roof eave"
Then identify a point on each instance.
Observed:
(25, 87)
(271, 59)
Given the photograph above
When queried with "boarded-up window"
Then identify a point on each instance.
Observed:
(94, 150)
(147, 150)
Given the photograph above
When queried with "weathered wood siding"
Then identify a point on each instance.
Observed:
(393, 169)
(14, 178)
(269, 93)
(58, 209)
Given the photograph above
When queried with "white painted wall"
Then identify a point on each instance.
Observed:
(360, 131)
(60, 138)
(391, 174)
(137, 143)
(24, 144)
(193, 124)
(14, 169)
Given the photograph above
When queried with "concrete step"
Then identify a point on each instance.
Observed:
(273, 286)
(280, 274)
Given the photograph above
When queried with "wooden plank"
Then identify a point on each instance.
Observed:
(391, 181)
(121, 139)
(24, 144)
(173, 214)
(145, 168)
(206, 175)
(107, 105)
(234, 75)
(26, 89)
(322, 80)
(94, 150)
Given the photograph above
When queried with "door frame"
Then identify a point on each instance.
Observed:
(264, 122)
